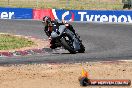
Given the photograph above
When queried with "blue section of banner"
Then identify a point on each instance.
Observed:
(16, 13)
(95, 15)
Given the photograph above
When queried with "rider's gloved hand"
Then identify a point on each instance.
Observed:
(65, 22)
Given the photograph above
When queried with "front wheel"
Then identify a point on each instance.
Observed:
(66, 45)
(82, 48)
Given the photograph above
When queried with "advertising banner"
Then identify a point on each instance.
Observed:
(94, 15)
(38, 14)
(16, 13)
(69, 15)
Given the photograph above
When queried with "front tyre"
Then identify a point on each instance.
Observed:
(82, 48)
(67, 46)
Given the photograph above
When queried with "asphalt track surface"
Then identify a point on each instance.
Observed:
(103, 42)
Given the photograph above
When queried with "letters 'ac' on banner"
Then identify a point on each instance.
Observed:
(38, 14)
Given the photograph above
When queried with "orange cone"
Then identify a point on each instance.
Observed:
(84, 73)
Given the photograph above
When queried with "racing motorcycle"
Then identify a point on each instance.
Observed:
(70, 41)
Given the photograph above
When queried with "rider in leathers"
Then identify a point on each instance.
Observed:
(53, 25)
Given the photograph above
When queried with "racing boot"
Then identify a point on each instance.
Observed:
(52, 44)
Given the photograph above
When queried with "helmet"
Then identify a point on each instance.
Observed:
(46, 20)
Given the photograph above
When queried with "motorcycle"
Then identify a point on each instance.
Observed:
(65, 38)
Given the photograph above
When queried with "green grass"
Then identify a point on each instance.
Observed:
(8, 42)
(65, 4)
